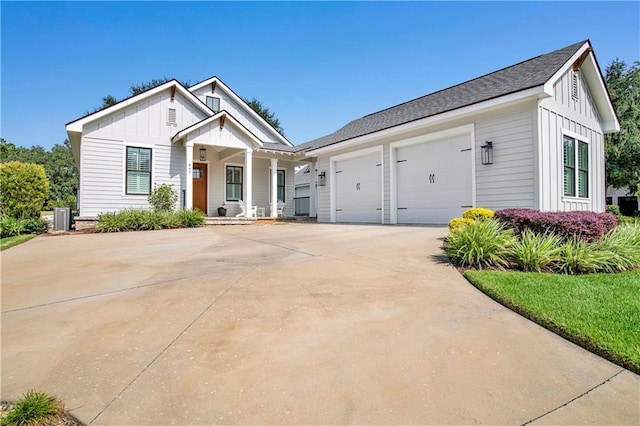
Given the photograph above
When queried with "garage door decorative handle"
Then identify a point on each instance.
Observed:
(358, 186)
(432, 178)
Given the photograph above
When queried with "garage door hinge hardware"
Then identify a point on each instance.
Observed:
(378, 165)
(378, 209)
(402, 208)
(463, 150)
(465, 207)
(401, 161)
(338, 210)
(338, 171)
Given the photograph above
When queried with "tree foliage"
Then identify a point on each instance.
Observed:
(263, 111)
(622, 149)
(24, 189)
(59, 167)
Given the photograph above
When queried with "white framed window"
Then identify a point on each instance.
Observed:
(213, 103)
(171, 117)
(576, 166)
(138, 173)
(235, 176)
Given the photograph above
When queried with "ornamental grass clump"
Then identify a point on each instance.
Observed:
(191, 218)
(621, 248)
(34, 408)
(480, 245)
(535, 252)
(580, 257)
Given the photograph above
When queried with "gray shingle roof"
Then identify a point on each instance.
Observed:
(522, 76)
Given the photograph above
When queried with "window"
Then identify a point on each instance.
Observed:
(576, 174)
(281, 185)
(281, 181)
(138, 171)
(213, 103)
(171, 117)
(234, 183)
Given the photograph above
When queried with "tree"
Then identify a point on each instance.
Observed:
(622, 149)
(59, 167)
(264, 112)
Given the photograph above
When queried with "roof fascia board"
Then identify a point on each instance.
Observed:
(548, 86)
(513, 98)
(591, 72)
(185, 132)
(77, 125)
(242, 103)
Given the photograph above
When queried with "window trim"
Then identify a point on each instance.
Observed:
(206, 98)
(125, 190)
(226, 196)
(578, 139)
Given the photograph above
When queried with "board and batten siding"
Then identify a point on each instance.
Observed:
(578, 116)
(238, 112)
(103, 152)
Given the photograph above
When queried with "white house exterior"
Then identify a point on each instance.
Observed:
(529, 135)
(421, 161)
(204, 140)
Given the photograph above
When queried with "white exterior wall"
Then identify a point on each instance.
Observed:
(580, 117)
(103, 152)
(508, 182)
(238, 112)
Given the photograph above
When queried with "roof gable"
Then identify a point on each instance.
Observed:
(239, 101)
(534, 73)
(218, 116)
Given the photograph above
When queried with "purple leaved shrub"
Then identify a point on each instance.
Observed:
(586, 226)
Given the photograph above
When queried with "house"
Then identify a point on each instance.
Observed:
(620, 197)
(204, 140)
(529, 135)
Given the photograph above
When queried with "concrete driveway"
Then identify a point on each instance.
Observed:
(285, 324)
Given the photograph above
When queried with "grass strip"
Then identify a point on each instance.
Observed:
(600, 312)
(8, 242)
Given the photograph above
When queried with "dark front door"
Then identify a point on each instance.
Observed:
(200, 187)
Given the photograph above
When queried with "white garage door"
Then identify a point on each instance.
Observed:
(434, 180)
(358, 186)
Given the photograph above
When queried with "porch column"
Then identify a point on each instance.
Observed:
(274, 187)
(188, 193)
(248, 180)
(313, 189)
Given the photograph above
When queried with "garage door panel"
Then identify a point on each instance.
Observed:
(359, 189)
(433, 180)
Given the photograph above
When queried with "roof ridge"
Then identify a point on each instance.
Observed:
(469, 81)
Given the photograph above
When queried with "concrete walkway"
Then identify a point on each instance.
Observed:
(285, 324)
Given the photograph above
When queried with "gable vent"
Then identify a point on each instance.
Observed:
(171, 117)
(574, 86)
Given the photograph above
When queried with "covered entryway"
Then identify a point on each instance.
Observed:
(358, 188)
(200, 187)
(433, 179)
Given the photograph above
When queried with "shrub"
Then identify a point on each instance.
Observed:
(163, 198)
(10, 227)
(613, 209)
(481, 244)
(111, 222)
(586, 226)
(579, 257)
(534, 252)
(478, 213)
(33, 408)
(150, 220)
(35, 225)
(24, 189)
(191, 218)
(459, 222)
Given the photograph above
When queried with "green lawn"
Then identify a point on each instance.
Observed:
(600, 312)
(5, 243)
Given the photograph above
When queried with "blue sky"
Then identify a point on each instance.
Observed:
(316, 65)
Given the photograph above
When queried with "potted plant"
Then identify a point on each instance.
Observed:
(222, 210)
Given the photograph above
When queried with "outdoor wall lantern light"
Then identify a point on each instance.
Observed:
(487, 152)
(321, 179)
(203, 154)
